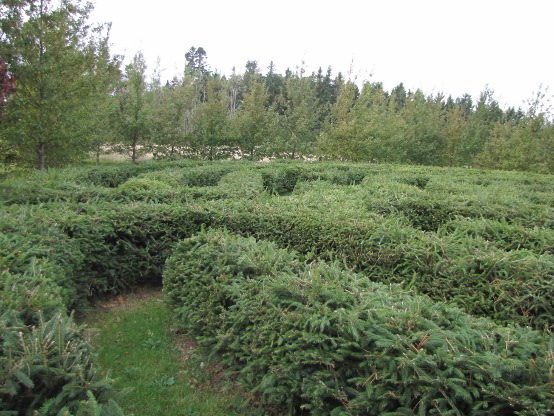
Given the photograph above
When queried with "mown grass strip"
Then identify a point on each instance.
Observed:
(163, 372)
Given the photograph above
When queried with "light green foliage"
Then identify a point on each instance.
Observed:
(253, 122)
(63, 71)
(382, 127)
(340, 139)
(161, 372)
(526, 145)
(131, 116)
(210, 134)
(169, 118)
(298, 129)
(424, 129)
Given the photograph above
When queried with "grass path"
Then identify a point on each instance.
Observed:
(163, 371)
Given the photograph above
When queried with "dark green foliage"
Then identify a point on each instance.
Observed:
(48, 368)
(419, 181)
(512, 286)
(30, 295)
(482, 241)
(280, 180)
(317, 338)
(37, 190)
(502, 235)
(199, 272)
(32, 244)
(113, 176)
(148, 190)
(482, 232)
(127, 245)
(206, 175)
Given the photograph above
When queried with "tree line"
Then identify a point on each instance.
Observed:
(65, 96)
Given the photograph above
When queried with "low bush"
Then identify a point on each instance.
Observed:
(512, 286)
(48, 369)
(478, 240)
(500, 234)
(204, 286)
(207, 174)
(111, 176)
(32, 244)
(127, 244)
(280, 180)
(314, 337)
(147, 190)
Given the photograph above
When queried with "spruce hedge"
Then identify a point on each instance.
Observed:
(482, 241)
(510, 286)
(313, 337)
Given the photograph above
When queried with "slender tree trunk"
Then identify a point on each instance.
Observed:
(42, 93)
(40, 156)
(134, 153)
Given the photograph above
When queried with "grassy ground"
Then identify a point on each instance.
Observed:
(163, 371)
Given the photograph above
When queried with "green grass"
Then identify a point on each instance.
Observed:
(164, 373)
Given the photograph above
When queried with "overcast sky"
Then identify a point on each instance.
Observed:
(448, 46)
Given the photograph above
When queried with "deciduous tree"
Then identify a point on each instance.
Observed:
(253, 122)
(54, 53)
(131, 117)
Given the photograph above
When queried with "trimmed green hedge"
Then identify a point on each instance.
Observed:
(480, 240)
(509, 286)
(314, 337)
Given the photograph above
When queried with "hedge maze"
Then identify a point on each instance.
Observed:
(326, 288)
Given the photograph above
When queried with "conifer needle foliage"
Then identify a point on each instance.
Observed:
(315, 337)
(301, 331)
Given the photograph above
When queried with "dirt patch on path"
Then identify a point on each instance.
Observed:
(130, 300)
(118, 303)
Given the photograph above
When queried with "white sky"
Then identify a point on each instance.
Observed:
(449, 46)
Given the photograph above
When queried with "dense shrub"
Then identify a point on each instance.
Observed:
(31, 243)
(37, 190)
(480, 240)
(317, 338)
(237, 184)
(207, 292)
(206, 175)
(280, 180)
(148, 190)
(127, 244)
(500, 234)
(111, 176)
(512, 286)
(48, 368)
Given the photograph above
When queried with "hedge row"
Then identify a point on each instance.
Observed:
(491, 251)
(509, 286)
(52, 259)
(382, 227)
(312, 337)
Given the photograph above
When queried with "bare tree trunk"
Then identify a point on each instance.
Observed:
(40, 156)
(134, 153)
